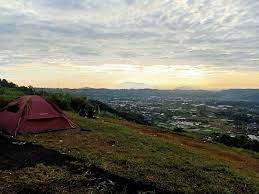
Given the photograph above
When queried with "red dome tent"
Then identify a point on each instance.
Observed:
(32, 114)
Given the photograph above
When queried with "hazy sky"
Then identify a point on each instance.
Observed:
(126, 43)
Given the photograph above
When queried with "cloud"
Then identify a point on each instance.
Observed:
(221, 34)
(132, 85)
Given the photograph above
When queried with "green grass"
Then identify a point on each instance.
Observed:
(170, 164)
(10, 93)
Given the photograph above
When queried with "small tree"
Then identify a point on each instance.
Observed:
(178, 129)
(78, 102)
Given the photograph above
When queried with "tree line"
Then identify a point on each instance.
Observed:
(6, 84)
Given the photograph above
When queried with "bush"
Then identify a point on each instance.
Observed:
(6, 84)
(62, 100)
(10, 93)
(66, 101)
(178, 129)
(240, 141)
(10, 85)
(78, 102)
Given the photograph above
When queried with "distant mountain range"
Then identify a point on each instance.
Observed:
(249, 95)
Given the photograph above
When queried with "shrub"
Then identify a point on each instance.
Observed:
(78, 102)
(240, 141)
(10, 93)
(178, 129)
(66, 101)
(5, 83)
(62, 100)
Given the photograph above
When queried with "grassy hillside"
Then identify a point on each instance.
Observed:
(168, 161)
(113, 155)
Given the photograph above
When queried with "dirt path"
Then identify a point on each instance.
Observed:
(19, 172)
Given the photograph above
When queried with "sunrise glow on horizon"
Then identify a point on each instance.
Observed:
(162, 44)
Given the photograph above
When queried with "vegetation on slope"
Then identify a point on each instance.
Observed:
(139, 153)
(169, 161)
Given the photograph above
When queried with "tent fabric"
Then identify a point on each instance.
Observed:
(32, 114)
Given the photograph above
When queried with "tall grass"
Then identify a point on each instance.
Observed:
(10, 93)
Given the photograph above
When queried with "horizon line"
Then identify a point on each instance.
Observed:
(103, 88)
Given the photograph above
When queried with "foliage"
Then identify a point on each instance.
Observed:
(239, 141)
(62, 100)
(10, 85)
(178, 129)
(10, 93)
(5, 84)
(79, 102)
